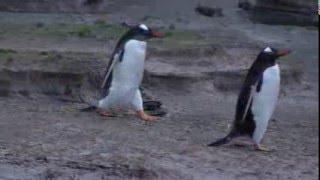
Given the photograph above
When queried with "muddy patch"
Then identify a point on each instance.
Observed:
(53, 168)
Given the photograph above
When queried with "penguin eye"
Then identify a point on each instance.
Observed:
(143, 31)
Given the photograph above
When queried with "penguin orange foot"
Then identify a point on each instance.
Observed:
(260, 147)
(104, 113)
(142, 115)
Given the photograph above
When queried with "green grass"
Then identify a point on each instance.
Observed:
(182, 35)
(179, 39)
(98, 30)
(6, 54)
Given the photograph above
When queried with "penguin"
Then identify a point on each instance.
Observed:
(124, 73)
(257, 99)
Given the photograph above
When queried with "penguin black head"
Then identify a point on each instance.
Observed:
(269, 54)
(141, 32)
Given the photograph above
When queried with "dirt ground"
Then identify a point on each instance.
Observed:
(196, 73)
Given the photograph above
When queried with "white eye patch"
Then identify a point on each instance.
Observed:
(144, 27)
(268, 50)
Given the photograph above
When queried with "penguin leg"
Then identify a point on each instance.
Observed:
(259, 147)
(137, 104)
(257, 137)
(104, 113)
(105, 107)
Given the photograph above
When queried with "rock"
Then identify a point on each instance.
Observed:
(91, 2)
(172, 27)
(42, 159)
(4, 88)
(244, 5)
(85, 153)
(282, 12)
(209, 11)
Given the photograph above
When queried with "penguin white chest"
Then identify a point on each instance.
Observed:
(129, 71)
(126, 76)
(265, 100)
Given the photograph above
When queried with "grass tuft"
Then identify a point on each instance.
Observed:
(6, 54)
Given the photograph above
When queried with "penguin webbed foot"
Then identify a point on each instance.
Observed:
(105, 113)
(263, 148)
(143, 116)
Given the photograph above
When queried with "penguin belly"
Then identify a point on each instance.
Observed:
(264, 101)
(126, 76)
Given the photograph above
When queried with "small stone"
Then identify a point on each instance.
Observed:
(39, 25)
(85, 153)
(209, 11)
(42, 159)
(4, 88)
(104, 155)
(245, 5)
(172, 27)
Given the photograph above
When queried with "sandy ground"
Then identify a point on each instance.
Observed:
(44, 138)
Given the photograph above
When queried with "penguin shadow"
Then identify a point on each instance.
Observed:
(243, 143)
(151, 105)
(249, 147)
(154, 108)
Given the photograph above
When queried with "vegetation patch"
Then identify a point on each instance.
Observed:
(6, 54)
(99, 30)
(180, 39)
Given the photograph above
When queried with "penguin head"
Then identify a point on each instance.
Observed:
(271, 54)
(142, 32)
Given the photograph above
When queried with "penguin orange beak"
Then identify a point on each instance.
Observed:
(283, 52)
(156, 34)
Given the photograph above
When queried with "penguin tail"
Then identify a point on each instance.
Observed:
(92, 105)
(224, 140)
(88, 109)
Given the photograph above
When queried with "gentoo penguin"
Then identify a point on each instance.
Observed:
(257, 99)
(120, 86)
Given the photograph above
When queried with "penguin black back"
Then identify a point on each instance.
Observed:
(244, 123)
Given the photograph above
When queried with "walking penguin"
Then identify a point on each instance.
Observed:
(257, 99)
(124, 74)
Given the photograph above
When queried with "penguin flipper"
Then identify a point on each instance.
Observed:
(256, 87)
(116, 57)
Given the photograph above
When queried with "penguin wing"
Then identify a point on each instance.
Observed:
(117, 56)
(246, 98)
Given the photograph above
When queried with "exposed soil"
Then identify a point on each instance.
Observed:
(196, 72)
